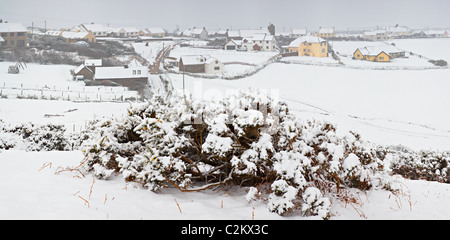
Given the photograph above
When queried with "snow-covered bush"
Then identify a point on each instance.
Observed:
(429, 165)
(32, 137)
(246, 139)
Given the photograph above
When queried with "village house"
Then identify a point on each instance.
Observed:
(126, 32)
(200, 33)
(296, 33)
(13, 35)
(98, 30)
(87, 69)
(436, 33)
(155, 32)
(200, 64)
(258, 42)
(135, 78)
(375, 35)
(73, 37)
(313, 46)
(382, 53)
(399, 32)
(326, 32)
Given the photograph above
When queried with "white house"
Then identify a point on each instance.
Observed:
(213, 66)
(97, 29)
(296, 33)
(196, 33)
(260, 42)
(399, 32)
(375, 35)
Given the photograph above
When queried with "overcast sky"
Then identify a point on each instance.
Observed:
(226, 14)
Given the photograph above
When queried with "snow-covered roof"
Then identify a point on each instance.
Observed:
(130, 29)
(74, 35)
(79, 68)
(308, 39)
(120, 72)
(1, 39)
(95, 27)
(192, 59)
(93, 62)
(12, 27)
(375, 50)
(156, 30)
(398, 29)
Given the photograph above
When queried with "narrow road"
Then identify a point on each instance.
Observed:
(155, 68)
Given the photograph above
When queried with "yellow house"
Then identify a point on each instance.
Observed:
(326, 32)
(374, 56)
(309, 46)
(73, 37)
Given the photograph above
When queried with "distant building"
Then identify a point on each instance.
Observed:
(326, 32)
(196, 33)
(200, 64)
(87, 69)
(257, 42)
(155, 32)
(73, 37)
(308, 46)
(296, 33)
(382, 53)
(135, 78)
(399, 32)
(98, 30)
(13, 35)
(375, 35)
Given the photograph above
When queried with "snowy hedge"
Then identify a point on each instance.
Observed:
(31, 137)
(246, 139)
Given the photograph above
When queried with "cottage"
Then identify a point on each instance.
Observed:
(98, 30)
(135, 78)
(296, 33)
(436, 33)
(200, 64)
(233, 44)
(73, 37)
(382, 53)
(309, 46)
(196, 33)
(399, 32)
(192, 64)
(213, 66)
(155, 32)
(126, 32)
(13, 35)
(257, 42)
(375, 35)
(87, 69)
(326, 32)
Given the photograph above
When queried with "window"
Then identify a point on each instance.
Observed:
(323, 50)
(21, 34)
(381, 58)
(20, 43)
(357, 55)
(11, 34)
(267, 47)
(138, 71)
(12, 42)
(304, 49)
(216, 68)
(134, 72)
(4, 34)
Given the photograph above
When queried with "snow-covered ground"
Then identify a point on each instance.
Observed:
(34, 185)
(408, 107)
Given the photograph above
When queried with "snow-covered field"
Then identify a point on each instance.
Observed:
(407, 107)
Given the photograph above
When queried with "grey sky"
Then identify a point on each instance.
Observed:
(225, 14)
